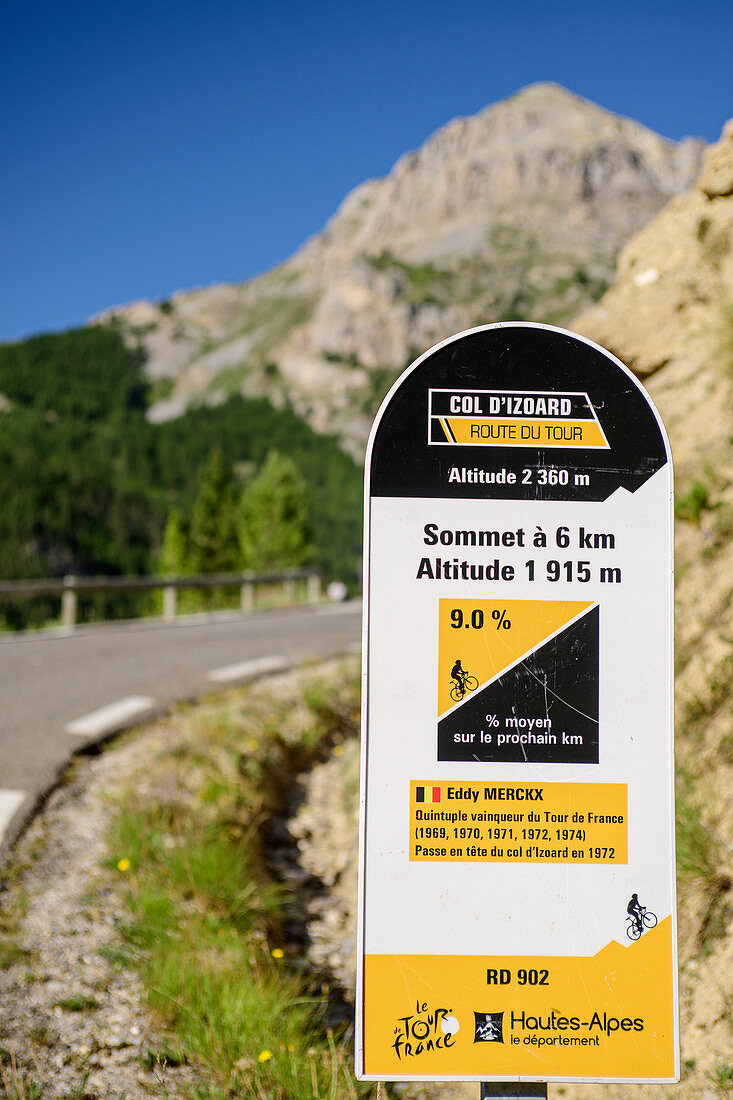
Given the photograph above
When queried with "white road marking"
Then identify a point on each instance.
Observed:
(245, 669)
(9, 803)
(111, 717)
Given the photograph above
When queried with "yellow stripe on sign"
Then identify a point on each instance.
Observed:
(490, 432)
(445, 425)
(610, 1015)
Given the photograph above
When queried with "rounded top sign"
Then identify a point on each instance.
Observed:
(530, 393)
(517, 754)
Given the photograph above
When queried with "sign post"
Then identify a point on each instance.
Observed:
(517, 896)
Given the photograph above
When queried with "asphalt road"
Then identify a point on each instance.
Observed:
(60, 691)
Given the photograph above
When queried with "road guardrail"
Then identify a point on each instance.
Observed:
(71, 587)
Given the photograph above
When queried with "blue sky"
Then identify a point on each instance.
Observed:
(153, 146)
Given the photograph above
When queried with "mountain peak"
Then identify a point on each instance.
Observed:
(515, 212)
(543, 148)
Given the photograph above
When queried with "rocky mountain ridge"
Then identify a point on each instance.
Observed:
(516, 212)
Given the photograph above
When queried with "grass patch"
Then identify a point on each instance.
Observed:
(698, 849)
(119, 960)
(720, 687)
(80, 1002)
(699, 856)
(425, 283)
(11, 952)
(726, 336)
(16, 1083)
(205, 915)
(715, 923)
(42, 1035)
(691, 505)
(689, 1066)
(165, 1056)
(721, 1076)
(14, 908)
(725, 749)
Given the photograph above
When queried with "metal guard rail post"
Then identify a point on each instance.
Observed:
(69, 588)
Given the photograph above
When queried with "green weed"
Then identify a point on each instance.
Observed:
(725, 749)
(688, 1067)
(17, 1083)
(165, 1056)
(425, 282)
(722, 530)
(11, 952)
(693, 503)
(79, 1002)
(715, 922)
(725, 338)
(698, 849)
(720, 687)
(119, 960)
(721, 1076)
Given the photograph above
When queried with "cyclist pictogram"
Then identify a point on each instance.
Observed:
(639, 918)
(463, 682)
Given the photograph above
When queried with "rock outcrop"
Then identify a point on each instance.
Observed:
(670, 317)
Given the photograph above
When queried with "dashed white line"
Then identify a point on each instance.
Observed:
(246, 669)
(112, 717)
(9, 803)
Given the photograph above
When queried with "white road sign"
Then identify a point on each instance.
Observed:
(517, 899)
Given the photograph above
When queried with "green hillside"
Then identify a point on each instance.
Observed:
(87, 483)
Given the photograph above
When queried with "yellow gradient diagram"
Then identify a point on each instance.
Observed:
(629, 988)
(476, 633)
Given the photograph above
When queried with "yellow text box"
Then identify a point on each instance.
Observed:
(472, 822)
(495, 432)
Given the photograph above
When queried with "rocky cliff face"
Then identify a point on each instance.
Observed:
(670, 317)
(517, 212)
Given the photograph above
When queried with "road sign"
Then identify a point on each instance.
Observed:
(517, 898)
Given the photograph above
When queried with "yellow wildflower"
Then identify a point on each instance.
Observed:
(123, 865)
(264, 1056)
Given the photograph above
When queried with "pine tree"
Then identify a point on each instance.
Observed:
(274, 527)
(175, 554)
(213, 539)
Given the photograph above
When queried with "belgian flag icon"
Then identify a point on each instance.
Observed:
(427, 794)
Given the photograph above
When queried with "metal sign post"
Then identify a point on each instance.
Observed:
(517, 898)
(508, 1090)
